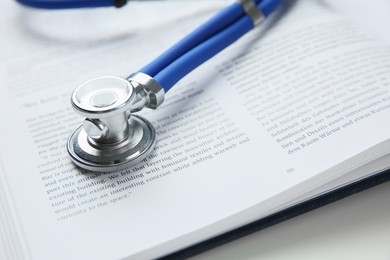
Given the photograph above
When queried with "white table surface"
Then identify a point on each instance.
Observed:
(357, 227)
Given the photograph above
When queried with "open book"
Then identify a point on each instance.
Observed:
(295, 109)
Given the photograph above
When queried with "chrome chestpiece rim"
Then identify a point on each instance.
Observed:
(111, 138)
(102, 95)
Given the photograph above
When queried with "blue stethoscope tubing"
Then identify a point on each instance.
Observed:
(67, 4)
(205, 42)
(199, 46)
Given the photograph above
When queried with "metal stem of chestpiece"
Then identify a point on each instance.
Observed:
(111, 138)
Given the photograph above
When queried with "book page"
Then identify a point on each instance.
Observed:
(285, 103)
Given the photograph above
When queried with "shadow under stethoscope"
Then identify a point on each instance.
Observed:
(105, 25)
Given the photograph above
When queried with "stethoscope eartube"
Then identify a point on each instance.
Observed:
(111, 138)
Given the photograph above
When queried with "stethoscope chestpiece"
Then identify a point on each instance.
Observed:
(111, 138)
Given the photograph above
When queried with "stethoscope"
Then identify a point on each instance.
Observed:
(111, 137)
